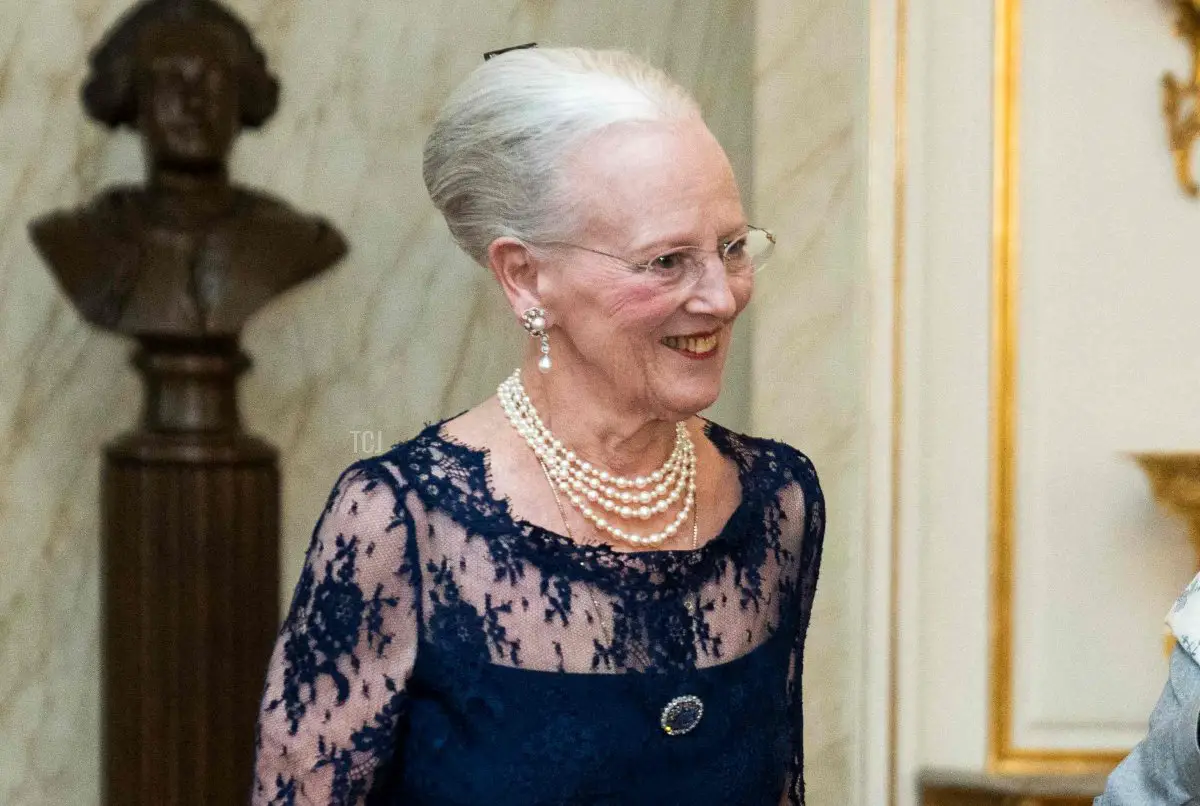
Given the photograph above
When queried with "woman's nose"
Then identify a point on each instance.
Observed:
(712, 293)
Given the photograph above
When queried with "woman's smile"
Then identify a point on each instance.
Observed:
(697, 346)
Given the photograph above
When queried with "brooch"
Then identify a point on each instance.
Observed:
(681, 715)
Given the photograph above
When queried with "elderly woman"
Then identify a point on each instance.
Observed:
(579, 591)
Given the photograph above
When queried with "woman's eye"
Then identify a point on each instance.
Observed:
(668, 262)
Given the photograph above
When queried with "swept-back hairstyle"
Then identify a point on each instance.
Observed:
(492, 162)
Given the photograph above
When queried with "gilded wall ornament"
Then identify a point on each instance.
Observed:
(1181, 98)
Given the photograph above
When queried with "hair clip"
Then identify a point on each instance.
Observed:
(492, 53)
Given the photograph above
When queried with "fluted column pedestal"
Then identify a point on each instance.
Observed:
(190, 583)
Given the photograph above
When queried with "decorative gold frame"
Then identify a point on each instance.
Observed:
(1181, 100)
(900, 223)
(900, 200)
(1003, 756)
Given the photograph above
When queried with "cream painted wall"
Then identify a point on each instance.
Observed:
(944, 439)
(1106, 365)
(1107, 324)
(404, 332)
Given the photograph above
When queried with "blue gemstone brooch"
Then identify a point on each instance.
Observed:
(681, 715)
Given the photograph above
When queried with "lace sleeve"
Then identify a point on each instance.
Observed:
(804, 591)
(335, 687)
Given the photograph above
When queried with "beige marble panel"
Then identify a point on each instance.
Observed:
(809, 353)
(404, 332)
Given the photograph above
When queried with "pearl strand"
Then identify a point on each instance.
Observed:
(516, 394)
(512, 393)
(590, 490)
(645, 503)
(612, 493)
(578, 491)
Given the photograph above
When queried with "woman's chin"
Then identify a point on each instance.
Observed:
(690, 398)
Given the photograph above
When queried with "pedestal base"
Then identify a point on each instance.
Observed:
(190, 586)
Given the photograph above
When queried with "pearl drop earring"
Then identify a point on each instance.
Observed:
(534, 320)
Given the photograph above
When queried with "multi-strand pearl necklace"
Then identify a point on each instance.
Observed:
(597, 493)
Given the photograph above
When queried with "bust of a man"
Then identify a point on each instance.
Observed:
(188, 253)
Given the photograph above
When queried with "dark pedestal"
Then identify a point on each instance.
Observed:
(190, 584)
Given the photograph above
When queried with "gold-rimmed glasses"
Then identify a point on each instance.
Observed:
(743, 256)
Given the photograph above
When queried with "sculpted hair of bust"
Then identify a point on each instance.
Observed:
(110, 93)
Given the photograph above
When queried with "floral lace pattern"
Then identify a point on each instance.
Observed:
(434, 641)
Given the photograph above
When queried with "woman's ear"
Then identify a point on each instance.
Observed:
(514, 267)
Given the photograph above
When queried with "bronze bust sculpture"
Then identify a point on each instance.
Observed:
(189, 254)
(190, 502)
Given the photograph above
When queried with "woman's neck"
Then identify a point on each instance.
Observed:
(580, 412)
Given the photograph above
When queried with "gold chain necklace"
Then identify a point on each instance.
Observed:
(691, 607)
(682, 714)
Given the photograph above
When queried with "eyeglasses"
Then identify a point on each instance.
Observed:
(743, 256)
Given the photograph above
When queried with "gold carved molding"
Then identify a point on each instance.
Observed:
(1181, 98)
(1175, 481)
(900, 223)
(1004, 755)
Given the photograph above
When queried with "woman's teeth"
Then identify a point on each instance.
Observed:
(692, 344)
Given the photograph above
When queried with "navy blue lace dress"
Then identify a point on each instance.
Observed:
(440, 651)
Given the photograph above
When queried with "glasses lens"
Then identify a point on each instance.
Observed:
(677, 265)
(743, 256)
(749, 253)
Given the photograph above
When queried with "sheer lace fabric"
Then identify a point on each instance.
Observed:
(440, 651)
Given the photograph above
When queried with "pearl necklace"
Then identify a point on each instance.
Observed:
(590, 490)
(627, 497)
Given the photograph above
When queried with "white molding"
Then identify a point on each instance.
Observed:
(883, 165)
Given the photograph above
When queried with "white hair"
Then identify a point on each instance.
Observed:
(492, 163)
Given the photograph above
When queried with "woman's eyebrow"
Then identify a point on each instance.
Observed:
(736, 232)
(679, 241)
(658, 244)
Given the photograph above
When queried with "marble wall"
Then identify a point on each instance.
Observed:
(809, 348)
(406, 330)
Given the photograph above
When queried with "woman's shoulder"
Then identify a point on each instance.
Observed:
(407, 461)
(378, 473)
(781, 484)
(447, 444)
(435, 464)
(763, 456)
(375, 481)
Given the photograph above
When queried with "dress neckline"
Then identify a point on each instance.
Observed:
(605, 553)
